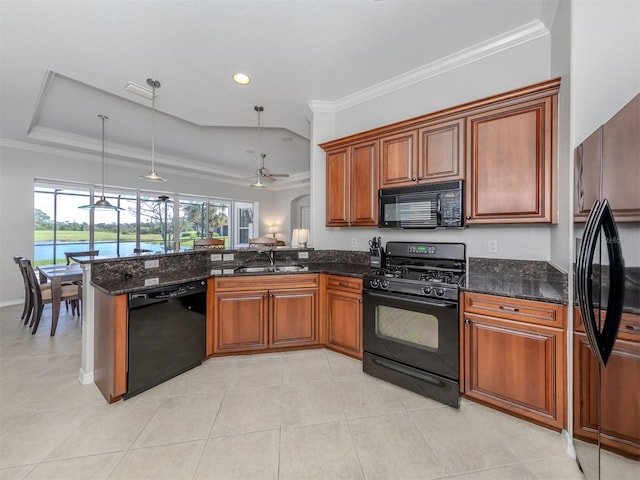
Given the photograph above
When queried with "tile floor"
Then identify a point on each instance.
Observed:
(301, 415)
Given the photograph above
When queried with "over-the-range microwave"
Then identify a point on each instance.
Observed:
(434, 205)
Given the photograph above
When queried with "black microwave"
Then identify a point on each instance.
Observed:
(434, 205)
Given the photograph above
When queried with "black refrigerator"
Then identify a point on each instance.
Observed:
(606, 338)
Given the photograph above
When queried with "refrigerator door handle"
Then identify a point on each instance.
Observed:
(601, 341)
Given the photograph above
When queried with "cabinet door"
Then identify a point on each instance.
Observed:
(337, 190)
(509, 161)
(344, 322)
(517, 367)
(621, 162)
(294, 317)
(620, 396)
(398, 159)
(363, 182)
(587, 175)
(441, 150)
(240, 321)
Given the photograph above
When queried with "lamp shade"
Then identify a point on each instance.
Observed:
(301, 237)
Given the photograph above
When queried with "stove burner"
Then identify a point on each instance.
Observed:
(439, 276)
(392, 272)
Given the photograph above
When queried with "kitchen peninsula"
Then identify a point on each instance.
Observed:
(326, 286)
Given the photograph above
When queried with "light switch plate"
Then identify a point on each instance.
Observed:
(151, 263)
(148, 282)
(216, 257)
(303, 255)
(227, 257)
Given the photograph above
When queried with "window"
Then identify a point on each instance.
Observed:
(149, 221)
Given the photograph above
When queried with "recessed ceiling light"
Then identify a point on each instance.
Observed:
(287, 139)
(138, 90)
(251, 152)
(241, 78)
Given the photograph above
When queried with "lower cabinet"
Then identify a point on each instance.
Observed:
(344, 315)
(620, 400)
(513, 359)
(247, 316)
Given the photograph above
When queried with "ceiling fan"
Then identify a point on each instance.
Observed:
(263, 175)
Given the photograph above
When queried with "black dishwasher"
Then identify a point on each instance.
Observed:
(167, 334)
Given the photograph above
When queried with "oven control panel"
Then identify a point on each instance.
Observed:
(422, 249)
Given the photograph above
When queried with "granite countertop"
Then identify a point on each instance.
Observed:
(529, 280)
(117, 284)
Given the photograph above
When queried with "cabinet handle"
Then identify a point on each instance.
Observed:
(509, 309)
(467, 217)
(420, 178)
(634, 328)
(413, 179)
(467, 321)
(343, 284)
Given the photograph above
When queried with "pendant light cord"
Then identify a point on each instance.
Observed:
(153, 127)
(103, 118)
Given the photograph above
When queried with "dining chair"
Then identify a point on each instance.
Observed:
(87, 253)
(42, 296)
(262, 242)
(208, 243)
(28, 300)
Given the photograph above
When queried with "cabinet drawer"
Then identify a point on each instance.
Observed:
(529, 311)
(629, 324)
(344, 283)
(260, 282)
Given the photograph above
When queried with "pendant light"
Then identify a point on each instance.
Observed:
(152, 175)
(103, 203)
(259, 183)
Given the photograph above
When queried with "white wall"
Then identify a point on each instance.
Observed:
(517, 67)
(19, 167)
(277, 211)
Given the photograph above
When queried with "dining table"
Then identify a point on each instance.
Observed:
(58, 275)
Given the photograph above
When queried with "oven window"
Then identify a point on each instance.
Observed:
(416, 329)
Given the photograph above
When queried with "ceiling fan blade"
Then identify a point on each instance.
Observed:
(277, 175)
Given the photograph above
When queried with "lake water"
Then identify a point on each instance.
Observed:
(44, 251)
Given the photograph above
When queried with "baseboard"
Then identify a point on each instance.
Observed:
(568, 444)
(85, 377)
(11, 303)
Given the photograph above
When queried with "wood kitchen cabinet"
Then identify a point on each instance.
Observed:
(398, 159)
(620, 415)
(110, 344)
(510, 156)
(264, 312)
(514, 356)
(611, 152)
(343, 310)
(352, 185)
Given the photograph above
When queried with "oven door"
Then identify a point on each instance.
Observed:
(420, 333)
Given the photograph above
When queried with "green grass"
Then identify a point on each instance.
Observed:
(73, 236)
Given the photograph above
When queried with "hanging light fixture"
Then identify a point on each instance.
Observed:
(152, 175)
(259, 183)
(103, 203)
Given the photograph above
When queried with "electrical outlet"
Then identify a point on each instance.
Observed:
(216, 257)
(303, 255)
(148, 282)
(151, 263)
(227, 257)
(216, 271)
(492, 246)
(354, 242)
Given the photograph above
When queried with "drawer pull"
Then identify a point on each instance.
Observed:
(634, 328)
(467, 321)
(509, 309)
(343, 284)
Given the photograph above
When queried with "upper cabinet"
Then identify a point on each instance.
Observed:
(614, 150)
(503, 147)
(352, 185)
(431, 153)
(509, 160)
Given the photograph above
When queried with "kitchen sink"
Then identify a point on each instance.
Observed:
(270, 268)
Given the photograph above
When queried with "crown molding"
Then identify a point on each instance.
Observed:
(518, 36)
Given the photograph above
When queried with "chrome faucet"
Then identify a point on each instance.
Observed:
(270, 256)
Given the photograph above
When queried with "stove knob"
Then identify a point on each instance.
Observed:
(427, 290)
(375, 283)
(440, 292)
(384, 284)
